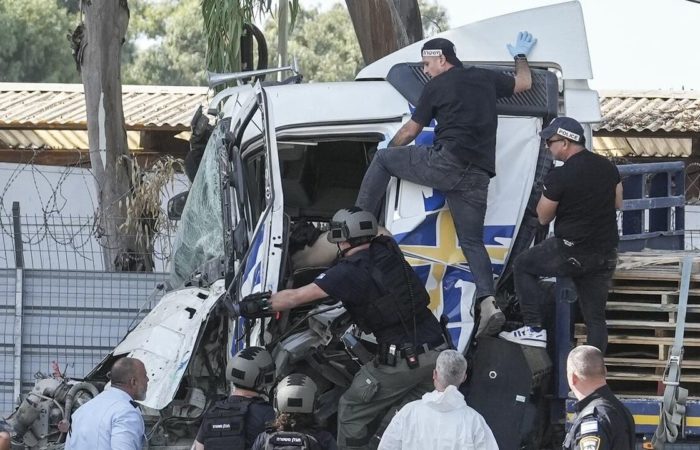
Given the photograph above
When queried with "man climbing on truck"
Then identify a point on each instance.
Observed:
(461, 160)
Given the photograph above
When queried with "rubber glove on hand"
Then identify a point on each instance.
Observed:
(523, 44)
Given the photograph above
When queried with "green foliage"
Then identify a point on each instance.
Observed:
(434, 17)
(324, 43)
(73, 6)
(147, 17)
(167, 39)
(223, 25)
(35, 47)
(174, 49)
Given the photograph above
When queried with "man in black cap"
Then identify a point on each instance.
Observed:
(461, 160)
(583, 195)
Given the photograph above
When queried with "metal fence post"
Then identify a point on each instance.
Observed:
(19, 288)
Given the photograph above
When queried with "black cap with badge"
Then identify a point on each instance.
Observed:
(441, 47)
(565, 127)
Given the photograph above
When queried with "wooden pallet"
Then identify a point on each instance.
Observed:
(645, 376)
(650, 345)
(656, 259)
(641, 316)
(655, 270)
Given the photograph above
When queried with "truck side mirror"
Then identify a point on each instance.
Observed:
(176, 205)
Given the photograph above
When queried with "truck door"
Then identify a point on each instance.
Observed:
(261, 268)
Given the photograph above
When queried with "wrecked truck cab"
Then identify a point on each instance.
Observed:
(297, 153)
(290, 153)
(284, 155)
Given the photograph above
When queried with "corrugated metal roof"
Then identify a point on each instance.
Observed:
(42, 105)
(642, 147)
(55, 139)
(669, 111)
(40, 115)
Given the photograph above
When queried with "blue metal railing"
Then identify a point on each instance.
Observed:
(653, 206)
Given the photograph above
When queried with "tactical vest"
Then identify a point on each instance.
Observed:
(224, 424)
(402, 299)
(291, 440)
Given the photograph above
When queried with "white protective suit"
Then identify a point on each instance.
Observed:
(438, 421)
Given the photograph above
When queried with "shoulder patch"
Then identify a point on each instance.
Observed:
(589, 443)
(589, 427)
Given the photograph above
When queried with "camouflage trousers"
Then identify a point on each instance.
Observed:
(376, 390)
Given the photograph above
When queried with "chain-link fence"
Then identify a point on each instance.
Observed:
(62, 312)
(69, 243)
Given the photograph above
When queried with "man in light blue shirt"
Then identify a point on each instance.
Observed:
(112, 420)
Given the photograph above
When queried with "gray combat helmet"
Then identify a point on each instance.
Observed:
(252, 368)
(296, 393)
(351, 224)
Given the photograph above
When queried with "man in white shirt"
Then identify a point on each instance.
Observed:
(441, 420)
(112, 420)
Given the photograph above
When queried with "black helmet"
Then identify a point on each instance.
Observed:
(296, 393)
(252, 368)
(352, 224)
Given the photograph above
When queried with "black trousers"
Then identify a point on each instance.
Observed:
(590, 271)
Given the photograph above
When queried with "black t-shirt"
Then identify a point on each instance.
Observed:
(259, 415)
(463, 102)
(610, 424)
(352, 284)
(585, 189)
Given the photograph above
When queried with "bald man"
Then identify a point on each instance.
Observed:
(602, 422)
(112, 420)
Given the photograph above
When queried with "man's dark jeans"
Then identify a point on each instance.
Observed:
(590, 271)
(465, 188)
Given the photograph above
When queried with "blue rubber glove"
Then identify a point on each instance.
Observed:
(523, 44)
(382, 144)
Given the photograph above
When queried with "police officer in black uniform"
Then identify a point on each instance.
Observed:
(235, 422)
(384, 296)
(601, 422)
(582, 195)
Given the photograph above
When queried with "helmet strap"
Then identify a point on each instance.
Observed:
(342, 253)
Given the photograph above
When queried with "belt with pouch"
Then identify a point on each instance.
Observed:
(388, 354)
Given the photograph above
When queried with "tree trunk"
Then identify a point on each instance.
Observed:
(282, 34)
(384, 26)
(104, 30)
(409, 13)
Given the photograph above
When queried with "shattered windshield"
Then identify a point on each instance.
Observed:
(200, 231)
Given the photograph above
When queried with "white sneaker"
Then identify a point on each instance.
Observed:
(526, 336)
